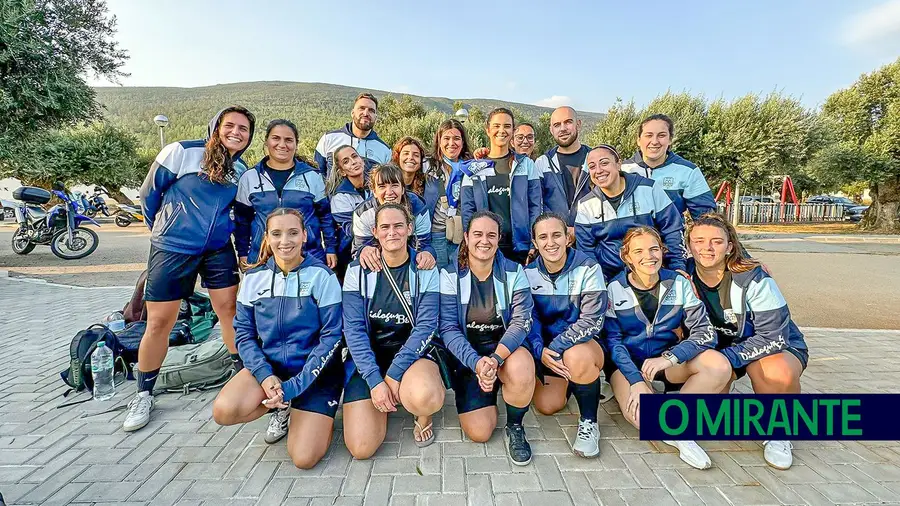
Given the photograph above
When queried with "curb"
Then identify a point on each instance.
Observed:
(44, 282)
(873, 239)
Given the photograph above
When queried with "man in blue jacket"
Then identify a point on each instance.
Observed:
(358, 133)
(681, 179)
(563, 180)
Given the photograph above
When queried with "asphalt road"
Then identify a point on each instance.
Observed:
(842, 285)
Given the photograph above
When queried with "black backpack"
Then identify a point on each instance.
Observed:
(78, 375)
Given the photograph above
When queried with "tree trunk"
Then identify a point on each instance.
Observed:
(118, 196)
(882, 215)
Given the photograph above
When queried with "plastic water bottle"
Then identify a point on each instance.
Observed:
(102, 371)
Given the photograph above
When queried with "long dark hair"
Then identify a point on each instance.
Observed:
(418, 185)
(217, 162)
(463, 257)
(290, 124)
(735, 260)
(265, 251)
(465, 153)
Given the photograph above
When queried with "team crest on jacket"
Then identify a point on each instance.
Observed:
(478, 166)
(668, 182)
(305, 289)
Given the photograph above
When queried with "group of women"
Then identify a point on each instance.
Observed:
(386, 287)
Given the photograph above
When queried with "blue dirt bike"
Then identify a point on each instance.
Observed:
(60, 227)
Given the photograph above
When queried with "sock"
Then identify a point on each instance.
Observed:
(238, 363)
(514, 415)
(588, 398)
(146, 380)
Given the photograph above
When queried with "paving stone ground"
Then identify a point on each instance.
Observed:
(79, 455)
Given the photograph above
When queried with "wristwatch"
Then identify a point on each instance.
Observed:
(668, 355)
(497, 358)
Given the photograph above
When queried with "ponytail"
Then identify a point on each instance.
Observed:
(463, 256)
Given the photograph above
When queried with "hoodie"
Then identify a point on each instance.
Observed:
(681, 179)
(764, 322)
(371, 148)
(553, 187)
(525, 199)
(570, 310)
(303, 191)
(185, 211)
(359, 288)
(514, 305)
(632, 338)
(599, 229)
(344, 201)
(289, 325)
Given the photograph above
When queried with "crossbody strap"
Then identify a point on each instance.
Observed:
(398, 293)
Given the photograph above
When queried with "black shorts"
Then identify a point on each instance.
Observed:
(172, 276)
(357, 389)
(542, 371)
(324, 395)
(469, 395)
(802, 356)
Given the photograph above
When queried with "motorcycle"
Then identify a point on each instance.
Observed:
(96, 203)
(128, 214)
(60, 227)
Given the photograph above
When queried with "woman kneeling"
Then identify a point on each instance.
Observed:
(648, 307)
(486, 310)
(750, 316)
(389, 319)
(570, 300)
(288, 333)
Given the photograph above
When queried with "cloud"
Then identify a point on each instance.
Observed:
(554, 101)
(876, 26)
(511, 85)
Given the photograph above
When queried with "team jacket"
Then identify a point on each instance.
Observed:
(599, 228)
(289, 325)
(510, 284)
(458, 170)
(569, 311)
(681, 179)
(364, 221)
(185, 212)
(765, 326)
(371, 148)
(554, 188)
(432, 193)
(524, 196)
(303, 191)
(631, 338)
(359, 287)
(344, 201)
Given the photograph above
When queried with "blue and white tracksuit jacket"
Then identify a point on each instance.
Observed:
(371, 148)
(764, 326)
(344, 201)
(681, 179)
(289, 325)
(570, 310)
(525, 199)
(364, 221)
(359, 287)
(599, 229)
(458, 170)
(514, 305)
(303, 191)
(554, 188)
(185, 211)
(632, 338)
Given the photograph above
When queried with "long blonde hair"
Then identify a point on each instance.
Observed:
(265, 251)
(735, 261)
(634, 233)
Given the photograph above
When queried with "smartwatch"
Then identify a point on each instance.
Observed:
(497, 358)
(668, 355)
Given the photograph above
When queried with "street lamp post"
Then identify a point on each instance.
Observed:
(162, 122)
(462, 115)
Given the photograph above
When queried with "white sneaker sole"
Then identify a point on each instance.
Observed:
(686, 461)
(132, 428)
(587, 455)
(780, 468)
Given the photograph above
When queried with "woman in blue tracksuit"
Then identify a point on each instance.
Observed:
(486, 315)
(347, 189)
(386, 183)
(618, 202)
(390, 338)
(648, 307)
(510, 186)
(751, 318)
(570, 300)
(450, 148)
(288, 327)
(409, 154)
(187, 199)
(282, 179)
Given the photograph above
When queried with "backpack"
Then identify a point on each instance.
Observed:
(78, 375)
(129, 340)
(198, 311)
(195, 367)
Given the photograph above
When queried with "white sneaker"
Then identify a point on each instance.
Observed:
(778, 454)
(138, 412)
(587, 442)
(692, 454)
(278, 425)
(606, 392)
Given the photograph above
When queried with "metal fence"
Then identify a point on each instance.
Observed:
(757, 212)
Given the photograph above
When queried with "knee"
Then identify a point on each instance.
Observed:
(423, 401)
(222, 412)
(519, 372)
(715, 365)
(777, 376)
(361, 450)
(479, 433)
(226, 308)
(546, 405)
(582, 364)
(306, 459)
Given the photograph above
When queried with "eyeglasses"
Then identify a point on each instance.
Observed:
(520, 138)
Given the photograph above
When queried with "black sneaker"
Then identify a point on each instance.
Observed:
(517, 446)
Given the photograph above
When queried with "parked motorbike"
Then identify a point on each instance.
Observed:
(129, 214)
(60, 227)
(96, 203)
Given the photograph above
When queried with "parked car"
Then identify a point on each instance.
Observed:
(829, 199)
(7, 210)
(757, 199)
(855, 213)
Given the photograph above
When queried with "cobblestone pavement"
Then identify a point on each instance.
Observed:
(79, 455)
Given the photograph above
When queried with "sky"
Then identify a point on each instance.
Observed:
(585, 54)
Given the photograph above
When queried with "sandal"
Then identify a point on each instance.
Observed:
(421, 430)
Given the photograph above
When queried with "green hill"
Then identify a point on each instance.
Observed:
(314, 107)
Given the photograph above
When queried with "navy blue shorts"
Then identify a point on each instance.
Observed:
(324, 395)
(802, 356)
(464, 381)
(357, 389)
(172, 276)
